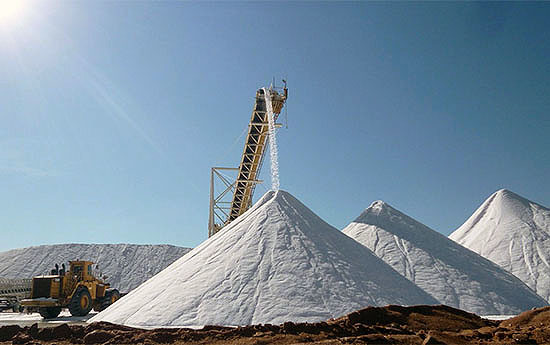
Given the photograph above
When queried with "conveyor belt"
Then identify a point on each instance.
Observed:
(253, 154)
(252, 158)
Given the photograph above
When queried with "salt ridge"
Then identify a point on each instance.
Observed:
(125, 265)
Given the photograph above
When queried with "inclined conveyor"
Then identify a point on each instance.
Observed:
(251, 159)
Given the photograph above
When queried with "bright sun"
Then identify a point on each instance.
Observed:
(11, 10)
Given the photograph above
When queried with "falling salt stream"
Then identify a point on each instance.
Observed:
(272, 141)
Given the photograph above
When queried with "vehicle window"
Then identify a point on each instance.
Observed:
(77, 271)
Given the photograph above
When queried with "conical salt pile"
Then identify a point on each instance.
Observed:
(277, 262)
(449, 272)
(514, 233)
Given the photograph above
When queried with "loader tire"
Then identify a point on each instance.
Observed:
(111, 297)
(81, 302)
(49, 312)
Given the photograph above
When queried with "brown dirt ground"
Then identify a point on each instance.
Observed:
(417, 325)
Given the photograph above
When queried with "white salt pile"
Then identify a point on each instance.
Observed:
(449, 272)
(514, 233)
(126, 265)
(277, 262)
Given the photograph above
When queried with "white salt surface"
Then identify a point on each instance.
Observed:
(20, 317)
(514, 233)
(449, 272)
(277, 262)
(64, 316)
(498, 317)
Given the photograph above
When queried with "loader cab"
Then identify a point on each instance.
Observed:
(82, 270)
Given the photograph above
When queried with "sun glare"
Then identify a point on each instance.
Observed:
(11, 10)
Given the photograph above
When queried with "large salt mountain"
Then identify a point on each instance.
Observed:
(277, 262)
(449, 272)
(125, 265)
(514, 233)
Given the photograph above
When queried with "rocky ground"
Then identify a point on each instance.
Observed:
(373, 325)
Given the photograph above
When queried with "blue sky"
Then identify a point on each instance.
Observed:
(113, 112)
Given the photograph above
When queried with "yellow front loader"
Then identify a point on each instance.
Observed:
(77, 289)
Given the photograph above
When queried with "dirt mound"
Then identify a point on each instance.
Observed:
(534, 317)
(416, 325)
(422, 317)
